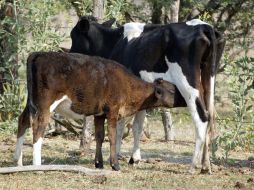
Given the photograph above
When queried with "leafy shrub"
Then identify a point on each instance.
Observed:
(238, 129)
(29, 30)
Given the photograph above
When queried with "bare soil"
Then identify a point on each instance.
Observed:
(164, 164)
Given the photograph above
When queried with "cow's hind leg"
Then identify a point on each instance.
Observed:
(200, 119)
(119, 136)
(99, 137)
(23, 124)
(137, 130)
(208, 86)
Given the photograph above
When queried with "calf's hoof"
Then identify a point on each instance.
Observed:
(99, 165)
(115, 167)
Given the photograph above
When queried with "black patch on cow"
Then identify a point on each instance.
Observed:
(79, 94)
(201, 111)
(105, 109)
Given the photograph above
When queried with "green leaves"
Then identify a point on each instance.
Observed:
(30, 30)
(238, 130)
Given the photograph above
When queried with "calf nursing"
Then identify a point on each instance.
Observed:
(89, 86)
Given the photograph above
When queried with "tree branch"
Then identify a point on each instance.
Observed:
(67, 168)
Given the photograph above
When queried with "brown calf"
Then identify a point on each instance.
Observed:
(83, 85)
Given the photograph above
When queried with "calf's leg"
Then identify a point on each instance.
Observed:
(23, 124)
(99, 137)
(39, 124)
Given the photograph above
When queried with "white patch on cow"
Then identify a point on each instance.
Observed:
(18, 151)
(64, 108)
(37, 152)
(175, 75)
(133, 30)
(195, 22)
(56, 103)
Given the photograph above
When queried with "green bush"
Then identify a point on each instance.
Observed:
(238, 130)
(31, 30)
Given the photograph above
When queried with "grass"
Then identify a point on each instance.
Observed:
(164, 165)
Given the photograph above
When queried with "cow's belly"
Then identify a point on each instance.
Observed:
(63, 107)
(174, 75)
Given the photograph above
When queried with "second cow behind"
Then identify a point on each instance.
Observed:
(87, 86)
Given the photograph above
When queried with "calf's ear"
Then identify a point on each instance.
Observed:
(109, 23)
(84, 25)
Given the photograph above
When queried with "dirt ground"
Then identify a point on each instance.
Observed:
(164, 165)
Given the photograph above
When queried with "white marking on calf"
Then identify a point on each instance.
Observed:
(133, 30)
(37, 152)
(195, 22)
(175, 75)
(18, 152)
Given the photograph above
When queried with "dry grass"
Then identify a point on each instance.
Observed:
(164, 165)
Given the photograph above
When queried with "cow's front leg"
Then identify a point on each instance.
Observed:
(137, 130)
(112, 140)
(99, 137)
(119, 136)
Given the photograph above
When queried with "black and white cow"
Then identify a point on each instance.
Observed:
(186, 54)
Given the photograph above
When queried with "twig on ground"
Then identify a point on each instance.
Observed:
(67, 168)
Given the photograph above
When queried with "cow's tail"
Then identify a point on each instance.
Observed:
(31, 86)
(210, 67)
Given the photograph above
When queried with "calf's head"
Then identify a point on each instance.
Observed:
(165, 92)
(88, 36)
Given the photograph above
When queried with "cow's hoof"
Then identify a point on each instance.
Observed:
(131, 161)
(99, 165)
(120, 157)
(116, 167)
(206, 171)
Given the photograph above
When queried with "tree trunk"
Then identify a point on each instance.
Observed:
(174, 11)
(156, 12)
(7, 48)
(166, 115)
(86, 134)
(98, 11)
